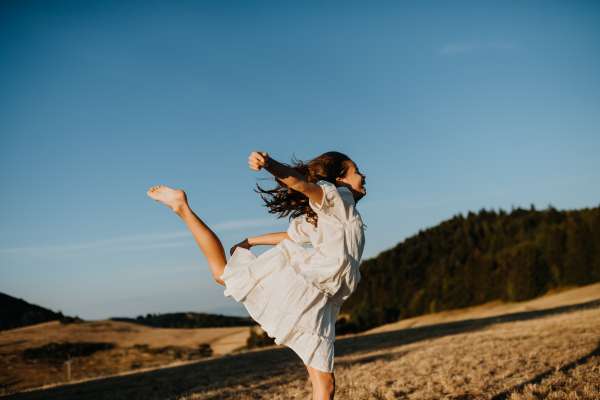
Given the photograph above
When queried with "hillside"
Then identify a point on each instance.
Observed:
(35, 355)
(519, 351)
(121, 334)
(15, 313)
(586, 295)
(472, 260)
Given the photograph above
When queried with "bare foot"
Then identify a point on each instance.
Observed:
(175, 199)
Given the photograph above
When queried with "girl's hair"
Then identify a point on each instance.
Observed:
(285, 201)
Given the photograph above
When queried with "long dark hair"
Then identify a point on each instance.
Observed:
(285, 201)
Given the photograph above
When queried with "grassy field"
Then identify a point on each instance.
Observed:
(547, 348)
(122, 334)
(136, 347)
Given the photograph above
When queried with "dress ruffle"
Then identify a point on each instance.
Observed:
(268, 286)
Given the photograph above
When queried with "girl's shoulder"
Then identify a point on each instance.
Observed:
(337, 205)
(333, 193)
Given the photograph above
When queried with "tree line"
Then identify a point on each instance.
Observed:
(15, 313)
(467, 261)
(189, 320)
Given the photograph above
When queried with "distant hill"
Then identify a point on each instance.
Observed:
(15, 313)
(467, 261)
(188, 320)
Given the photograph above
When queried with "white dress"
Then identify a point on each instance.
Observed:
(295, 293)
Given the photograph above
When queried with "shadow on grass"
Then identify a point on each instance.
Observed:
(258, 370)
(376, 341)
(538, 379)
(13, 343)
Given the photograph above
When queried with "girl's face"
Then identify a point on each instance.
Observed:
(354, 180)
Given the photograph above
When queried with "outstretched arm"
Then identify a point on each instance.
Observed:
(268, 239)
(290, 177)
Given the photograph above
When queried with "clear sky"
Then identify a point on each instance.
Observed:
(447, 107)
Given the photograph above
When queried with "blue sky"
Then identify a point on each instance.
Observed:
(446, 107)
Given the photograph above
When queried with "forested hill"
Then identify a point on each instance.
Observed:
(15, 313)
(470, 260)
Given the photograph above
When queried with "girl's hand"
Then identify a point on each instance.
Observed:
(243, 244)
(258, 160)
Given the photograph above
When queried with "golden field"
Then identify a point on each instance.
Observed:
(136, 346)
(544, 348)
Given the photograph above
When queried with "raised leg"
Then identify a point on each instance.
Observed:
(323, 384)
(209, 243)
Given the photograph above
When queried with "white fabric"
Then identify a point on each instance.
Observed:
(295, 293)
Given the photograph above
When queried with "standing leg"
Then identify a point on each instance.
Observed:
(324, 389)
(209, 243)
(312, 381)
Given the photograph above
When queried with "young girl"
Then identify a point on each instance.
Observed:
(293, 292)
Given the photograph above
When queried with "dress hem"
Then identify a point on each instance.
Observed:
(242, 286)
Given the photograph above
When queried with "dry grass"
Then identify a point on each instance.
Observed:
(166, 346)
(16, 373)
(494, 361)
(122, 334)
(529, 353)
(556, 356)
(563, 297)
(580, 382)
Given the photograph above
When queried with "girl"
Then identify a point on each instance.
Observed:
(295, 293)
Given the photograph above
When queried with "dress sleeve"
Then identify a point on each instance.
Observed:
(336, 202)
(298, 231)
